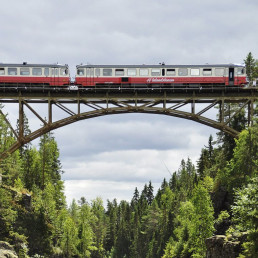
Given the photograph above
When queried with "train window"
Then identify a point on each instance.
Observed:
(12, 71)
(36, 71)
(240, 71)
(119, 72)
(97, 72)
(63, 71)
(171, 72)
(182, 71)
(219, 71)
(54, 72)
(80, 71)
(131, 72)
(46, 71)
(25, 71)
(90, 72)
(206, 71)
(144, 72)
(155, 72)
(195, 71)
(107, 72)
(2, 72)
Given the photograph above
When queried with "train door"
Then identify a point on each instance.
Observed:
(90, 76)
(231, 75)
(47, 75)
(54, 76)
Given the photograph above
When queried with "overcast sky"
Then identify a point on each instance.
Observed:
(112, 155)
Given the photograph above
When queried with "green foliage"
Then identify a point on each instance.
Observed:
(30, 168)
(86, 232)
(222, 216)
(238, 123)
(50, 165)
(69, 239)
(256, 69)
(8, 214)
(99, 227)
(245, 216)
(244, 164)
(194, 223)
(250, 67)
(180, 244)
(208, 183)
(203, 220)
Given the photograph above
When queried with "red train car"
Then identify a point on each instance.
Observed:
(160, 75)
(34, 74)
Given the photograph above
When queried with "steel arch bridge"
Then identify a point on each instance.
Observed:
(106, 101)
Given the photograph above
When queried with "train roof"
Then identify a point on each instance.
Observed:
(33, 65)
(159, 66)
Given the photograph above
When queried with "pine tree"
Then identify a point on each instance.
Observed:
(135, 234)
(244, 164)
(250, 68)
(203, 220)
(50, 165)
(173, 182)
(123, 239)
(112, 227)
(99, 226)
(238, 123)
(69, 240)
(86, 234)
(149, 194)
(135, 198)
(203, 163)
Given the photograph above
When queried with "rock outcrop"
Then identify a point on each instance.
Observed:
(218, 246)
(6, 250)
(221, 200)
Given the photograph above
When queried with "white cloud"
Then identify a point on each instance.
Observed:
(130, 165)
(125, 147)
(127, 132)
(108, 190)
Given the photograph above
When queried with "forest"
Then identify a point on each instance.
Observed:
(216, 196)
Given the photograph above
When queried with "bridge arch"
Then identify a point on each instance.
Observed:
(100, 104)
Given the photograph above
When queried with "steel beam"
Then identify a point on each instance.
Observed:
(108, 102)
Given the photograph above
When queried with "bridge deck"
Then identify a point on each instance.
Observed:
(100, 95)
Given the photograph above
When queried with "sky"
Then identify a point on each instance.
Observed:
(111, 155)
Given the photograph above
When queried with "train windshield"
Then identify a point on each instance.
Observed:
(64, 71)
(80, 71)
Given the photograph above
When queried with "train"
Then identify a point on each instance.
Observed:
(115, 76)
(34, 74)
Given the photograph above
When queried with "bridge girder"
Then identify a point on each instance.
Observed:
(106, 103)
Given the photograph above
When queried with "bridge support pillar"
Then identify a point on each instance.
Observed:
(250, 112)
(49, 111)
(21, 121)
(222, 111)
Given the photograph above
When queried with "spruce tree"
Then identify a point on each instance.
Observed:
(250, 68)
(150, 195)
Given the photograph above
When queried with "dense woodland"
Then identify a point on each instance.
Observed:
(218, 195)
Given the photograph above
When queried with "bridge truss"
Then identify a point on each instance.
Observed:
(84, 104)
